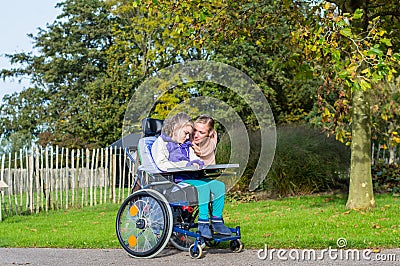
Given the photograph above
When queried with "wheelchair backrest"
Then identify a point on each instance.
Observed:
(146, 159)
(151, 127)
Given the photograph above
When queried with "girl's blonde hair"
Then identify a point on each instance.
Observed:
(177, 121)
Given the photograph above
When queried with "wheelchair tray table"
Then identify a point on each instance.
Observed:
(213, 168)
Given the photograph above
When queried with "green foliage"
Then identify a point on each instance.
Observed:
(255, 40)
(306, 161)
(353, 51)
(20, 118)
(235, 33)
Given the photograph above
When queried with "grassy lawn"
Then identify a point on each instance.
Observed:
(317, 222)
(298, 222)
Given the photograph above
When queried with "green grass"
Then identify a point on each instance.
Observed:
(298, 222)
(317, 222)
(90, 227)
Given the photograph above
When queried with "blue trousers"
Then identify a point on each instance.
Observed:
(207, 188)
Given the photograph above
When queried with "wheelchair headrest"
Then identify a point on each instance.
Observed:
(151, 127)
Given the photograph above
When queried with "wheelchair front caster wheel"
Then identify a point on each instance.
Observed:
(236, 245)
(195, 254)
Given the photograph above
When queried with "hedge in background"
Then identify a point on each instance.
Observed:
(306, 161)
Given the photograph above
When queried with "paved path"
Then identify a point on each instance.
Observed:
(170, 256)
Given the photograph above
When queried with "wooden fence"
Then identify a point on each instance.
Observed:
(53, 178)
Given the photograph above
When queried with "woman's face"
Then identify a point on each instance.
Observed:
(180, 135)
(201, 132)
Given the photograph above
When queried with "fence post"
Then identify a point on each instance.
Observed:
(87, 168)
(3, 186)
(73, 170)
(119, 155)
(42, 182)
(61, 176)
(16, 187)
(10, 182)
(56, 179)
(78, 155)
(31, 174)
(46, 180)
(24, 181)
(123, 155)
(102, 177)
(91, 167)
(51, 178)
(82, 179)
(37, 164)
(66, 179)
(96, 180)
(106, 174)
(114, 167)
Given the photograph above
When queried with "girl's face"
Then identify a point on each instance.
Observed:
(181, 134)
(201, 132)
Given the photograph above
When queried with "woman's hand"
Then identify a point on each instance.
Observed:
(196, 149)
(214, 136)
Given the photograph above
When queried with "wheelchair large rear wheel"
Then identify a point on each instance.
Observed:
(144, 223)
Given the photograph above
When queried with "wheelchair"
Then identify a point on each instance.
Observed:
(159, 210)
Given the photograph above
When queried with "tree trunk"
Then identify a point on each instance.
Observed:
(361, 194)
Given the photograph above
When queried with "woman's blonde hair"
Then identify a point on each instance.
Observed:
(207, 120)
(177, 121)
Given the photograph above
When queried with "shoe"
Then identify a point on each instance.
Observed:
(219, 227)
(204, 229)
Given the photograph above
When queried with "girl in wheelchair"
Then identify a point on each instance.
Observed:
(173, 149)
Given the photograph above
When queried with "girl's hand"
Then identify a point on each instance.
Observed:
(196, 163)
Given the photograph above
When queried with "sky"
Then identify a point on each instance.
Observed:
(17, 19)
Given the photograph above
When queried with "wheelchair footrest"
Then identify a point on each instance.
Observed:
(234, 236)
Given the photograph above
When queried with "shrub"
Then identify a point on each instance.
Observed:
(306, 161)
(386, 178)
